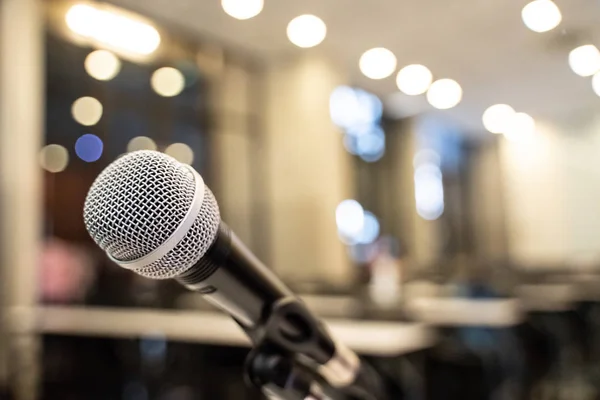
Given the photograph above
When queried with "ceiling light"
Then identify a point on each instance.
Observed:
(306, 31)
(585, 60)
(102, 65)
(414, 79)
(377, 63)
(87, 111)
(242, 9)
(521, 127)
(541, 15)
(112, 28)
(167, 81)
(596, 83)
(444, 94)
(497, 118)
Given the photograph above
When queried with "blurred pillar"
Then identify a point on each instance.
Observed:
(21, 111)
(231, 146)
(308, 172)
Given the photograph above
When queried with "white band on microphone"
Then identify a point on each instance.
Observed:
(178, 235)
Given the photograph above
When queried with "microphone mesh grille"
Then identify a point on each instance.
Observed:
(138, 202)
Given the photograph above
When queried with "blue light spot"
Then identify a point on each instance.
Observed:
(89, 147)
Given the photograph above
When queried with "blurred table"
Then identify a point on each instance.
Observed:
(377, 338)
(452, 311)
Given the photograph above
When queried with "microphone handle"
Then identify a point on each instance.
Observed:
(233, 279)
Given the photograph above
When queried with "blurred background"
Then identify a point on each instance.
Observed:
(424, 174)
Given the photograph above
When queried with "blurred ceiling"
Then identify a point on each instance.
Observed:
(483, 44)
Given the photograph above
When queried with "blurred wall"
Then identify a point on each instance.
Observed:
(231, 146)
(552, 192)
(307, 170)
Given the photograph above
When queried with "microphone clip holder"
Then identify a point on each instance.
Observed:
(289, 345)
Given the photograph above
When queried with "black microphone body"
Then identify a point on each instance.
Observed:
(232, 278)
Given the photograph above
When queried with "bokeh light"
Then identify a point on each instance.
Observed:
(497, 118)
(414, 79)
(349, 218)
(585, 60)
(350, 144)
(370, 231)
(87, 111)
(352, 108)
(427, 156)
(102, 65)
(117, 30)
(242, 9)
(141, 143)
(377, 63)
(54, 158)
(444, 94)
(181, 152)
(167, 81)
(306, 31)
(429, 191)
(89, 147)
(541, 15)
(370, 144)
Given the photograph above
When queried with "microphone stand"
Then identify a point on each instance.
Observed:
(287, 360)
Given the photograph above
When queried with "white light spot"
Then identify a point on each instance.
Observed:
(350, 218)
(102, 65)
(242, 9)
(497, 118)
(414, 79)
(585, 60)
(429, 191)
(167, 81)
(377, 63)
(541, 15)
(444, 94)
(87, 111)
(306, 31)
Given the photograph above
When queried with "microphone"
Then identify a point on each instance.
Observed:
(156, 217)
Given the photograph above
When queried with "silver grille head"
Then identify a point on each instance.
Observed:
(151, 214)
